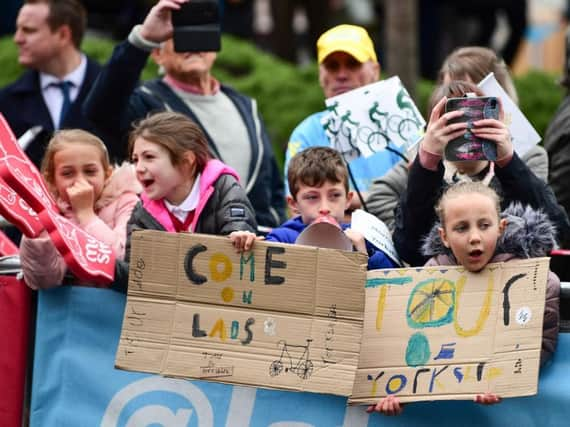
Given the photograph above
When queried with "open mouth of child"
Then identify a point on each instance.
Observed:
(475, 255)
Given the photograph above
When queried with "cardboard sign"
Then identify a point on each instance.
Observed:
(373, 118)
(444, 333)
(290, 317)
(281, 316)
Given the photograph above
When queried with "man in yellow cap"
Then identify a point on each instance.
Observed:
(347, 61)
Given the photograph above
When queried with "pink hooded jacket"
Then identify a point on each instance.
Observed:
(44, 267)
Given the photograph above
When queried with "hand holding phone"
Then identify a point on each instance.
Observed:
(197, 27)
(469, 147)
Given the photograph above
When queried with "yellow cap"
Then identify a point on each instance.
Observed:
(346, 38)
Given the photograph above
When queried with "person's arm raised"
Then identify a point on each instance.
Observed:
(157, 26)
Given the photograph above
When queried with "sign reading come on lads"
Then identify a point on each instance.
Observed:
(300, 318)
(282, 316)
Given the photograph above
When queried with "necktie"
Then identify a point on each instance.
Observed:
(65, 86)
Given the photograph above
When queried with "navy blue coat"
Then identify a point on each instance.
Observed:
(290, 230)
(23, 106)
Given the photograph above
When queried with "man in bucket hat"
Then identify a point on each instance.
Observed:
(347, 61)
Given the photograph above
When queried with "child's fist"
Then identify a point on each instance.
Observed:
(357, 240)
(242, 240)
(389, 405)
(487, 399)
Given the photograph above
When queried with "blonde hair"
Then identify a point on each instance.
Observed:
(64, 138)
(476, 62)
(462, 188)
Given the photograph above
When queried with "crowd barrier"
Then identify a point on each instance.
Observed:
(15, 302)
(75, 384)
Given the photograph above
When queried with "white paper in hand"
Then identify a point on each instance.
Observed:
(376, 232)
(524, 135)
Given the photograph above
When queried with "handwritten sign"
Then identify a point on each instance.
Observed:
(312, 319)
(444, 333)
(280, 316)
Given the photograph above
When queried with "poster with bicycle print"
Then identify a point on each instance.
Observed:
(377, 117)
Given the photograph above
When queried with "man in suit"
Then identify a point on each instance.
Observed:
(48, 96)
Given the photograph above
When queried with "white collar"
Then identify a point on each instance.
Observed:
(190, 202)
(76, 76)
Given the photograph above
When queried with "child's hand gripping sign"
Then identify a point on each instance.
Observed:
(25, 201)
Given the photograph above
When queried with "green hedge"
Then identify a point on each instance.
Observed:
(287, 94)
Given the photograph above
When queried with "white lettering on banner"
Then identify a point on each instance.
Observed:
(27, 208)
(239, 413)
(241, 406)
(97, 252)
(160, 414)
(156, 414)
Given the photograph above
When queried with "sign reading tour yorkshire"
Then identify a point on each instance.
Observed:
(310, 319)
(446, 333)
(281, 316)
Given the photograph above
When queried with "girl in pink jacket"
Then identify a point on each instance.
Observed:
(90, 193)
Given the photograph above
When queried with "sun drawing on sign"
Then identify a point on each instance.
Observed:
(431, 303)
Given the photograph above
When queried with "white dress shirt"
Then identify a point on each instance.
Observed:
(52, 94)
(190, 203)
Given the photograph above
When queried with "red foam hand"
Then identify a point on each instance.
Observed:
(17, 212)
(88, 258)
(20, 173)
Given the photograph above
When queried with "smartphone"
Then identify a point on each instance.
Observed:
(469, 147)
(197, 27)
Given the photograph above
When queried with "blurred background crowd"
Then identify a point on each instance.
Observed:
(526, 33)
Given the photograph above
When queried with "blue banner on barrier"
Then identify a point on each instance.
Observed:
(75, 384)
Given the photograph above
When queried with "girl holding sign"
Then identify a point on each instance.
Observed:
(472, 232)
(184, 189)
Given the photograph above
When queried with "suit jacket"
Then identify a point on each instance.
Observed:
(23, 106)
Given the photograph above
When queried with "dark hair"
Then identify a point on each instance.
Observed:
(175, 132)
(66, 12)
(453, 89)
(314, 166)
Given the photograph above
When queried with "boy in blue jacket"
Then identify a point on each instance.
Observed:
(318, 182)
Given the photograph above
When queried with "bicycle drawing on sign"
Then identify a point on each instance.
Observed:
(389, 126)
(301, 366)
